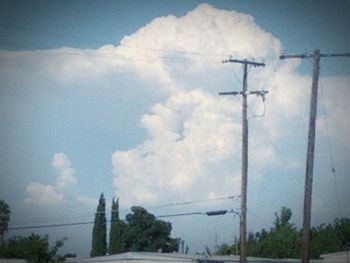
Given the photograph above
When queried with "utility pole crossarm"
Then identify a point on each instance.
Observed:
(257, 92)
(230, 93)
(295, 56)
(246, 62)
(336, 55)
(312, 55)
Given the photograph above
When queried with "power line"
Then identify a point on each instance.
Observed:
(160, 206)
(333, 170)
(330, 149)
(50, 225)
(209, 213)
(195, 201)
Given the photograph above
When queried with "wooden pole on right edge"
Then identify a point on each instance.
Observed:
(310, 160)
(305, 253)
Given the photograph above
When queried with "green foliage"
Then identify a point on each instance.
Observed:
(283, 218)
(324, 239)
(143, 232)
(4, 217)
(330, 238)
(342, 228)
(226, 249)
(33, 248)
(284, 240)
(99, 242)
(281, 242)
(116, 235)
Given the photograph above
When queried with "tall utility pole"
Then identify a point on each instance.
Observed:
(244, 93)
(310, 147)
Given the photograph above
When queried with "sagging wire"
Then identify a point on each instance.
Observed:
(333, 170)
(330, 149)
(261, 94)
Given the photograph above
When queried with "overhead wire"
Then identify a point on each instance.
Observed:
(91, 222)
(49, 225)
(195, 201)
(264, 108)
(339, 233)
(330, 150)
(104, 212)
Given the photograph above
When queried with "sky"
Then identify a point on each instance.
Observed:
(121, 97)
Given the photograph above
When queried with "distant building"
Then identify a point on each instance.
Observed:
(338, 257)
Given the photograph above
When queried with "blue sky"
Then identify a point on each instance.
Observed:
(121, 97)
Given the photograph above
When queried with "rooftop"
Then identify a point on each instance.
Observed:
(144, 257)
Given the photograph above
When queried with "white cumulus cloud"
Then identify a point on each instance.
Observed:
(66, 174)
(193, 148)
(46, 194)
(194, 138)
(193, 143)
(42, 194)
(188, 136)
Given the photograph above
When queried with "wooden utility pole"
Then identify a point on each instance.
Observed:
(244, 183)
(310, 148)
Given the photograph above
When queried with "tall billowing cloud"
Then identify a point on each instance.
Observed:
(194, 138)
(193, 43)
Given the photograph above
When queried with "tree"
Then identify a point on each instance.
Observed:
(284, 240)
(225, 249)
(342, 228)
(4, 218)
(53, 252)
(116, 235)
(34, 249)
(324, 239)
(145, 233)
(99, 242)
(283, 219)
(330, 238)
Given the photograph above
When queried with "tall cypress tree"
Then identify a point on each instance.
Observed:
(116, 235)
(99, 242)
